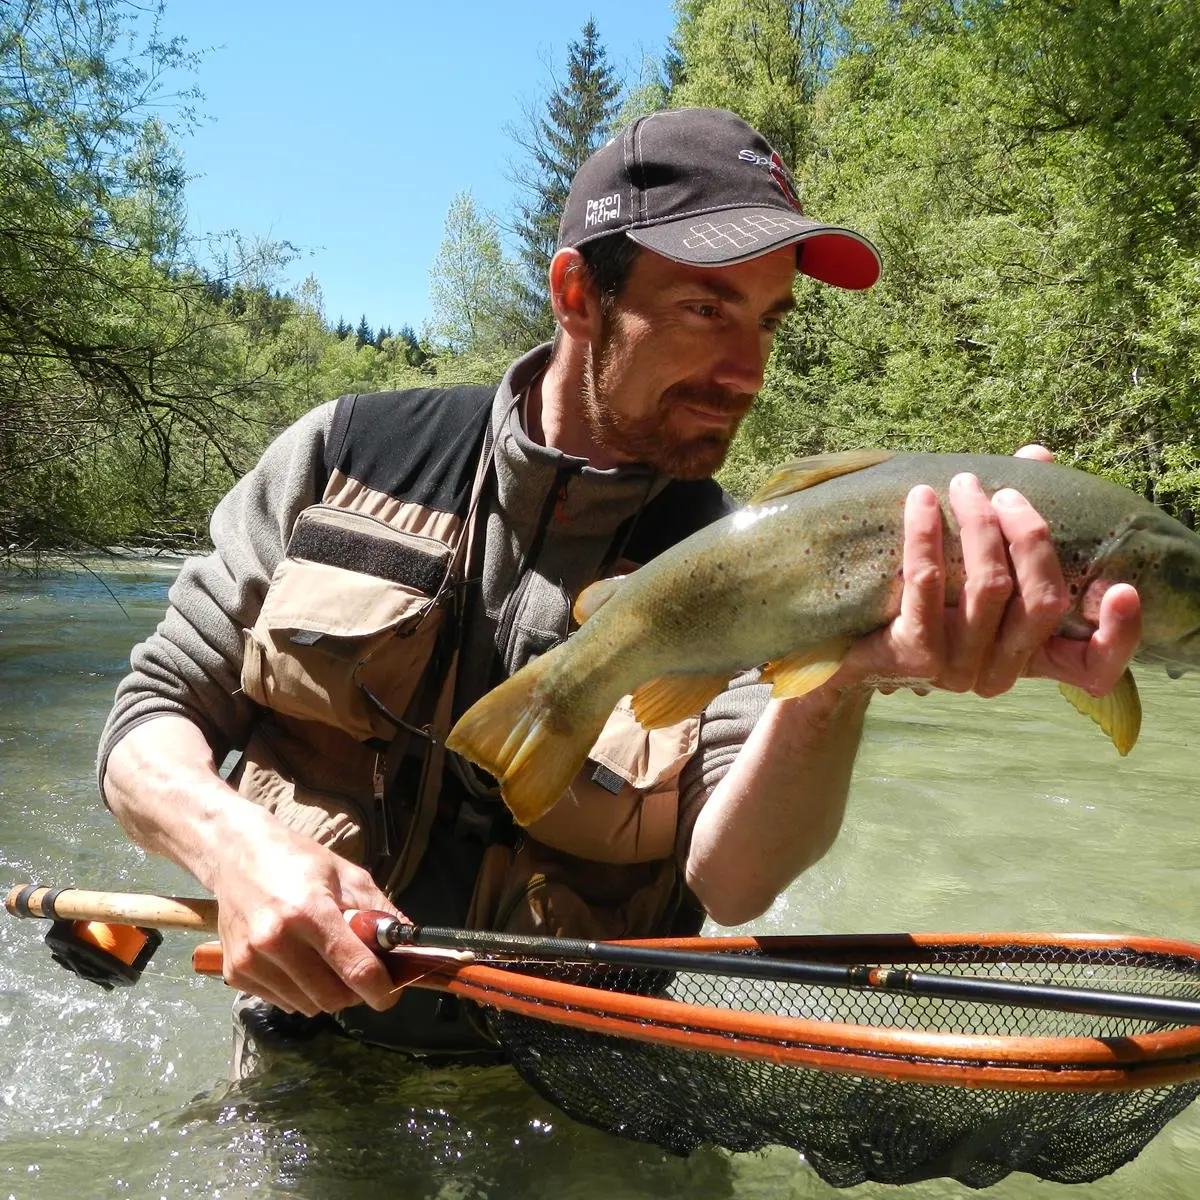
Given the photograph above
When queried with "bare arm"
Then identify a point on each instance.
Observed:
(779, 807)
(280, 894)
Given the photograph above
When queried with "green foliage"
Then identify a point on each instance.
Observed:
(1030, 172)
(134, 387)
(764, 59)
(473, 287)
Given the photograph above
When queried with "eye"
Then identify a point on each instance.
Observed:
(709, 311)
(771, 324)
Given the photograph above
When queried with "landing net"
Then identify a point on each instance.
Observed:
(867, 1085)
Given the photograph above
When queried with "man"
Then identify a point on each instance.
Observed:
(392, 557)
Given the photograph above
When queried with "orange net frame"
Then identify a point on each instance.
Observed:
(867, 1085)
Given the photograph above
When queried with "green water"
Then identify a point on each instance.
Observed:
(1007, 814)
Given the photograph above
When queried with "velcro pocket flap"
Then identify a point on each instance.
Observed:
(334, 602)
(347, 574)
(644, 758)
(350, 609)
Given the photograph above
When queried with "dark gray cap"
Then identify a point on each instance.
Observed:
(700, 186)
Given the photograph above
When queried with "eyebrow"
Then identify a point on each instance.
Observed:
(731, 295)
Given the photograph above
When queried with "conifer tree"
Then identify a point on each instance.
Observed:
(577, 118)
(363, 335)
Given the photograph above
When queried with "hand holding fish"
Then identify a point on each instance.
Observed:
(1010, 606)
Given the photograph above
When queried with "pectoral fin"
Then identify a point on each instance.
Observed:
(594, 596)
(1119, 713)
(797, 674)
(803, 473)
(670, 698)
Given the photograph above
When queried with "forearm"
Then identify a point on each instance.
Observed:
(162, 785)
(780, 806)
(281, 895)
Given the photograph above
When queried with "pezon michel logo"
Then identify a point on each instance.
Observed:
(779, 173)
(600, 212)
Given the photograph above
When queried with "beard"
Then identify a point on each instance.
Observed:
(658, 439)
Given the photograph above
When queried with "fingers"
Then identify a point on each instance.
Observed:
(1034, 450)
(1039, 594)
(1012, 600)
(920, 628)
(987, 585)
(1098, 663)
(306, 966)
(361, 975)
(281, 898)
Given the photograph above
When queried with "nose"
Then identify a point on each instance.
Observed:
(742, 360)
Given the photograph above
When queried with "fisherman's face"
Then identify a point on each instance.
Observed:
(680, 358)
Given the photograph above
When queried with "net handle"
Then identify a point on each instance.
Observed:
(855, 977)
(172, 913)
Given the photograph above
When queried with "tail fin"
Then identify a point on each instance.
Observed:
(530, 749)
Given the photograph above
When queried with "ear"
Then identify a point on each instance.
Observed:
(574, 297)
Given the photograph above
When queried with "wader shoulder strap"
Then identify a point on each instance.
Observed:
(443, 667)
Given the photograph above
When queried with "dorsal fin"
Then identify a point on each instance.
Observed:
(803, 473)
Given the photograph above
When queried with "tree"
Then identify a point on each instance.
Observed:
(415, 355)
(363, 335)
(577, 118)
(473, 286)
(763, 59)
(109, 346)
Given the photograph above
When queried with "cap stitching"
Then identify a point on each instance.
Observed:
(818, 230)
(643, 209)
(628, 157)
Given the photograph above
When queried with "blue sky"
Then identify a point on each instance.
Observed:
(348, 128)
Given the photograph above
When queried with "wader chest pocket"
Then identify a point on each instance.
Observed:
(637, 823)
(349, 607)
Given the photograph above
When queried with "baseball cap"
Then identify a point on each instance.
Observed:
(701, 186)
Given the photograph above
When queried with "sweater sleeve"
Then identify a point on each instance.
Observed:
(191, 665)
(726, 724)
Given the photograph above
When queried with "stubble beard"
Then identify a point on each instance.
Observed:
(649, 439)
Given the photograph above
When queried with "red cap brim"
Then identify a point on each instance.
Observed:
(842, 258)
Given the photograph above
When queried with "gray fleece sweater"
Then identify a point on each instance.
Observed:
(549, 520)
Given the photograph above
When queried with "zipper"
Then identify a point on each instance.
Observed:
(555, 496)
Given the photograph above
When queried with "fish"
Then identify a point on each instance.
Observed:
(789, 582)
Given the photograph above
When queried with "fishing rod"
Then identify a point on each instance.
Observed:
(384, 933)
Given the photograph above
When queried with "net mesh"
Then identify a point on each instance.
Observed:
(852, 1127)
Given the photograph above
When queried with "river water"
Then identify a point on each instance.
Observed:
(1005, 814)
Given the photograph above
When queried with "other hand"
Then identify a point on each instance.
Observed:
(281, 897)
(1012, 601)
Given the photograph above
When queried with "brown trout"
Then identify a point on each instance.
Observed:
(789, 582)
